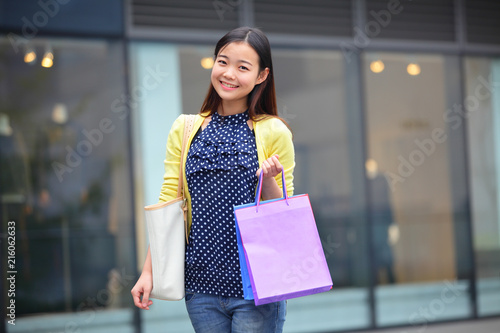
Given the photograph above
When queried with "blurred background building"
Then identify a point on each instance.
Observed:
(395, 110)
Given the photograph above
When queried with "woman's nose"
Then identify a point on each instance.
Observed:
(229, 73)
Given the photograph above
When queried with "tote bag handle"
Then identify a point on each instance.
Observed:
(259, 189)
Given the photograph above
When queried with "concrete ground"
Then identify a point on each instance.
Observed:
(477, 326)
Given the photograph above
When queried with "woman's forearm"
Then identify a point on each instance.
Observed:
(270, 189)
(147, 268)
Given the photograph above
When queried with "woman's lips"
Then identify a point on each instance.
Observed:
(228, 86)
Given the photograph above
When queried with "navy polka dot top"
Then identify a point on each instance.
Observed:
(220, 171)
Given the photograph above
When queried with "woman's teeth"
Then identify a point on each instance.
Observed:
(228, 85)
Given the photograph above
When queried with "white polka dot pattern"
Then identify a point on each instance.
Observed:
(220, 170)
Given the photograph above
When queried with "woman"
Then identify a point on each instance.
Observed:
(236, 136)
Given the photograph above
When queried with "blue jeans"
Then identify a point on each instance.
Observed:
(220, 314)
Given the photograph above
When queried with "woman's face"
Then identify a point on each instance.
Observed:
(236, 72)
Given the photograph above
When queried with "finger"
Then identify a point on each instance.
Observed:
(258, 172)
(274, 165)
(272, 171)
(145, 300)
(278, 165)
(265, 168)
(136, 295)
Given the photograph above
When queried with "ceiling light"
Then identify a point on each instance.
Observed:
(413, 69)
(207, 62)
(377, 66)
(30, 56)
(48, 58)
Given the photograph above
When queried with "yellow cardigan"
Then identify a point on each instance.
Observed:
(271, 135)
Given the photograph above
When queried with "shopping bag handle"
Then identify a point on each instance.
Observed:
(259, 188)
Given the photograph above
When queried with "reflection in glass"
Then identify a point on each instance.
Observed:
(313, 99)
(385, 232)
(181, 91)
(411, 202)
(483, 96)
(64, 178)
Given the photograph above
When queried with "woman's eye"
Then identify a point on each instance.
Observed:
(222, 62)
(243, 68)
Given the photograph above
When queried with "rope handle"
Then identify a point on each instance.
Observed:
(259, 189)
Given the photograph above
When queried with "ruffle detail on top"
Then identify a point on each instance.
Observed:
(227, 143)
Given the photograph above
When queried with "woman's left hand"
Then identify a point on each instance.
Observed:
(270, 167)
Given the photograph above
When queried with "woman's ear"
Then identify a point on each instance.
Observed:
(262, 76)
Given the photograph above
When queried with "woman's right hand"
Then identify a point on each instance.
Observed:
(143, 288)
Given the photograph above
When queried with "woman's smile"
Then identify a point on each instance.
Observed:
(234, 75)
(228, 86)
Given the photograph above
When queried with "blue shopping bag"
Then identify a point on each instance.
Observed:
(245, 277)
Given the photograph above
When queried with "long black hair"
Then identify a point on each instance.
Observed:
(262, 99)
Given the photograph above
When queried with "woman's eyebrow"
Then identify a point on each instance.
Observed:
(245, 61)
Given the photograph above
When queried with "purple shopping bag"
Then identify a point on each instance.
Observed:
(282, 248)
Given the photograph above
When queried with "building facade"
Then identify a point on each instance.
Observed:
(404, 177)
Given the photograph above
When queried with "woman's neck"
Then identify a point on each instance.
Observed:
(233, 107)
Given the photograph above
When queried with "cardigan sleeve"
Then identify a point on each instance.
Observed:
(172, 161)
(280, 139)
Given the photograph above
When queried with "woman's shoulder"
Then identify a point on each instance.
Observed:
(178, 124)
(273, 126)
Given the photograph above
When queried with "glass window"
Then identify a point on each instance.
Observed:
(65, 181)
(313, 99)
(179, 86)
(483, 125)
(412, 180)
